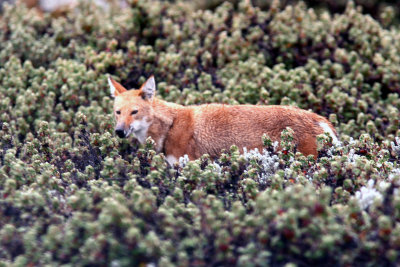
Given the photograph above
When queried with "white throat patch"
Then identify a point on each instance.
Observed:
(139, 129)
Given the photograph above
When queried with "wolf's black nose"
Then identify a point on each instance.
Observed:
(120, 133)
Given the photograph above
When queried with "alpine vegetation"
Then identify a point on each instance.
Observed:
(73, 193)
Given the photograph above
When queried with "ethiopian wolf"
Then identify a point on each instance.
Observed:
(196, 130)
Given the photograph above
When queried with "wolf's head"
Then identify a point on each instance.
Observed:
(133, 108)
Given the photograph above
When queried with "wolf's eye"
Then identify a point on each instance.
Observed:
(134, 112)
(118, 112)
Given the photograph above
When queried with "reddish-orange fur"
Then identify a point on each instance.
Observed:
(197, 130)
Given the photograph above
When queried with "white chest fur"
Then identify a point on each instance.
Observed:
(171, 159)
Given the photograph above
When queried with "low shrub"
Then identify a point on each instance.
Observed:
(73, 193)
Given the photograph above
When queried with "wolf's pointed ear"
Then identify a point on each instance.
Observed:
(115, 88)
(148, 88)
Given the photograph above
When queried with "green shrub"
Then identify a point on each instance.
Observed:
(73, 193)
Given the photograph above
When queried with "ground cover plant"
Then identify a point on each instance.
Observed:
(72, 193)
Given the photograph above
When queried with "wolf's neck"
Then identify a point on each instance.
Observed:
(163, 119)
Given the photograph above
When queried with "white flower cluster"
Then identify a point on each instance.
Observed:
(394, 173)
(335, 145)
(183, 161)
(396, 145)
(269, 163)
(216, 168)
(368, 194)
(352, 157)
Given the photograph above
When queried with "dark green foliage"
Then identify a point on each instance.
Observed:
(72, 192)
